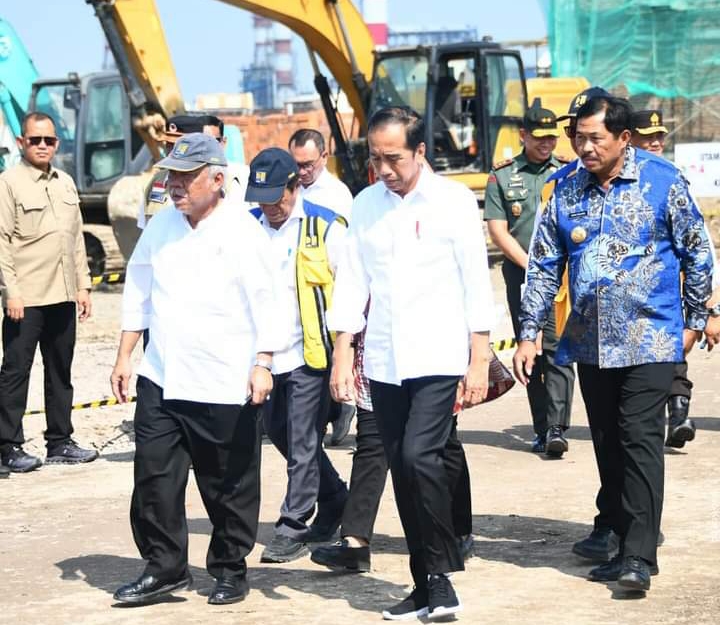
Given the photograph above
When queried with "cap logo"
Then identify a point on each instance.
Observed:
(260, 177)
(580, 100)
(181, 148)
(655, 119)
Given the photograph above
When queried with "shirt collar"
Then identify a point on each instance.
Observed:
(628, 171)
(319, 181)
(36, 173)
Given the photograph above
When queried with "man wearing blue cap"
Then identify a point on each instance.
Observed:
(306, 240)
(200, 279)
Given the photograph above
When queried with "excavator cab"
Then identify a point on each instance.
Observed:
(472, 96)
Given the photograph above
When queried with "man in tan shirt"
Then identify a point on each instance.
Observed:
(43, 273)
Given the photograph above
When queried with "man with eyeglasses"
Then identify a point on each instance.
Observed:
(319, 186)
(45, 283)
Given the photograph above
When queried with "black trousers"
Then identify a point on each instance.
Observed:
(626, 413)
(415, 420)
(550, 389)
(295, 419)
(369, 473)
(681, 385)
(53, 327)
(222, 442)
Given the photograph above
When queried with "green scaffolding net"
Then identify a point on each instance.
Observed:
(667, 48)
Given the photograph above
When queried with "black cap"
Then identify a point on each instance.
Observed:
(581, 98)
(648, 122)
(270, 172)
(179, 125)
(540, 122)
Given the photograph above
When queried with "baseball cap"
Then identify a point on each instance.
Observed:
(581, 98)
(179, 125)
(192, 151)
(270, 172)
(540, 122)
(648, 122)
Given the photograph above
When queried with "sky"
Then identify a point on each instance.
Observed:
(210, 41)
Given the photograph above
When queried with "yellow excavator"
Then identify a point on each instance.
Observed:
(472, 95)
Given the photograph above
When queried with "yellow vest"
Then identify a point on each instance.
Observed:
(314, 288)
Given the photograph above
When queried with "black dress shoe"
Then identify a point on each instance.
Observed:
(229, 590)
(635, 574)
(69, 452)
(597, 547)
(4, 471)
(148, 587)
(342, 557)
(611, 571)
(341, 425)
(17, 460)
(555, 443)
(681, 428)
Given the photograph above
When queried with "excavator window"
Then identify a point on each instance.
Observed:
(506, 103)
(104, 133)
(400, 81)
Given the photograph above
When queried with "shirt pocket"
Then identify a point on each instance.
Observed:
(30, 215)
(314, 266)
(68, 209)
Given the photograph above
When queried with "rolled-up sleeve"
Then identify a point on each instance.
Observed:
(136, 304)
(472, 260)
(352, 288)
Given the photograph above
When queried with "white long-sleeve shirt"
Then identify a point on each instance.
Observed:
(284, 243)
(329, 192)
(207, 296)
(422, 261)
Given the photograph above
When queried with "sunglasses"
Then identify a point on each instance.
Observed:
(49, 141)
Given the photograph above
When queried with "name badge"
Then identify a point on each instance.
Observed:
(578, 214)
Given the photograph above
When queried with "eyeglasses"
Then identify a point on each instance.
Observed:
(49, 141)
(308, 164)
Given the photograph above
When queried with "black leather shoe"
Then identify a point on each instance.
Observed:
(341, 425)
(555, 443)
(17, 460)
(681, 429)
(635, 574)
(69, 452)
(148, 587)
(597, 547)
(4, 471)
(229, 590)
(342, 557)
(283, 549)
(611, 571)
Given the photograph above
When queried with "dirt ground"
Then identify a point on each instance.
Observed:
(66, 545)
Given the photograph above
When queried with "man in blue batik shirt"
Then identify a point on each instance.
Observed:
(626, 226)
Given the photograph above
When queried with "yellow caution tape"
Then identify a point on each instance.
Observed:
(101, 403)
(109, 278)
(504, 344)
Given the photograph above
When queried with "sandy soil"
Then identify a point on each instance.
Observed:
(65, 540)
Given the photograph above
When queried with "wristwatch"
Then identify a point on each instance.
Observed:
(715, 310)
(265, 364)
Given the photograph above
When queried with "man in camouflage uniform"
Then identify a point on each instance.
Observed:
(511, 200)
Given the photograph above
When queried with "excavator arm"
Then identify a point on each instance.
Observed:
(137, 42)
(336, 32)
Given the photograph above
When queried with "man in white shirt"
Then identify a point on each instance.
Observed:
(416, 249)
(306, 240)
(200, 279)
(319, 186)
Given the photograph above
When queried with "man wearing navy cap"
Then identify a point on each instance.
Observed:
(200, 279)
(306, 240)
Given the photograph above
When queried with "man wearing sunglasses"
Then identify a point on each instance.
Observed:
(45, 282)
